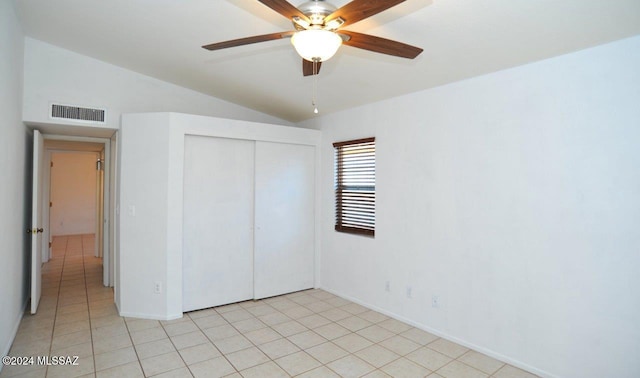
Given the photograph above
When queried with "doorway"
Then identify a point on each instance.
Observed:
(76, 194)
(44, 145)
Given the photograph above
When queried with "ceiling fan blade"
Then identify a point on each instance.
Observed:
(284, 8)
(380, 45)
(307, 68)
(358, 10)
(248, 40)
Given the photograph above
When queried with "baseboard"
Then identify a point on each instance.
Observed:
(150, 316)
(16, 326)
(477, 348)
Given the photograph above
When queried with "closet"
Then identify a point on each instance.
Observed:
(212, 211)
(248, 219)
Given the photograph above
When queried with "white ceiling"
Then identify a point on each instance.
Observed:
(461, 39)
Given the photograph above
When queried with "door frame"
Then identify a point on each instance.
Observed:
(107, 221)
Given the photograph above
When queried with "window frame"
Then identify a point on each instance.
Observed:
(362, 216)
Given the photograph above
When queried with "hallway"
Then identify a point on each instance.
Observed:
(73, 312)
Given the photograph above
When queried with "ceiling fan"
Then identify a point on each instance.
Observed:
(318, 34)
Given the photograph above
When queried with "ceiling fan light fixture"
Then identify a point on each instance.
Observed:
(316, 44)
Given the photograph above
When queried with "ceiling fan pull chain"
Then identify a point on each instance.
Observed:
(315, 85)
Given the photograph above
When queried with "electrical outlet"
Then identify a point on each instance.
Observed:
(157, 287)
(409, 291)
(435, 301)
(387, 286)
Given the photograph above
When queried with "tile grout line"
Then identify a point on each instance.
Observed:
(86, 293)
(178, 350)
(174, 346)
(55, 316)
(135, 350)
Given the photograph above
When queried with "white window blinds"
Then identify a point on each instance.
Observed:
(355, 186)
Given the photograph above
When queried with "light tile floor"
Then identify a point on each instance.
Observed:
(305, 334)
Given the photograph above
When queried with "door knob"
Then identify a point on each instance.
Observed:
(40, 230)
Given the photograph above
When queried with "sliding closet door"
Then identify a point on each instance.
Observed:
(218, 221)
(284, 218)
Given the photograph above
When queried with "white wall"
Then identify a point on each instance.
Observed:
(73, 193)
(142, 222)
(16, 184)
(53, 74)
(514, 197)
(151, 202)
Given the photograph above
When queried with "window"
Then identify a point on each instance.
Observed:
(355, 184)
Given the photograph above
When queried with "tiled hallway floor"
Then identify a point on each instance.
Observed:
(307, 334)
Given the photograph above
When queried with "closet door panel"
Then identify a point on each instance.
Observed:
(218, 221)
(284, 218)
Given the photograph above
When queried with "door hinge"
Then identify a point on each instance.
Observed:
(50, 204)
(49, 244)
(51, 164)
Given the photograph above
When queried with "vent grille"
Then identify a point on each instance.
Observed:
(77, 113)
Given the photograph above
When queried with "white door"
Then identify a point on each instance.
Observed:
(284, 220)
(36, 221)
(217, 221)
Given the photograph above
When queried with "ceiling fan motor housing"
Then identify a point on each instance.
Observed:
(317, 10)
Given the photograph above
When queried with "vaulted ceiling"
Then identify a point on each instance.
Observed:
(460, 38)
